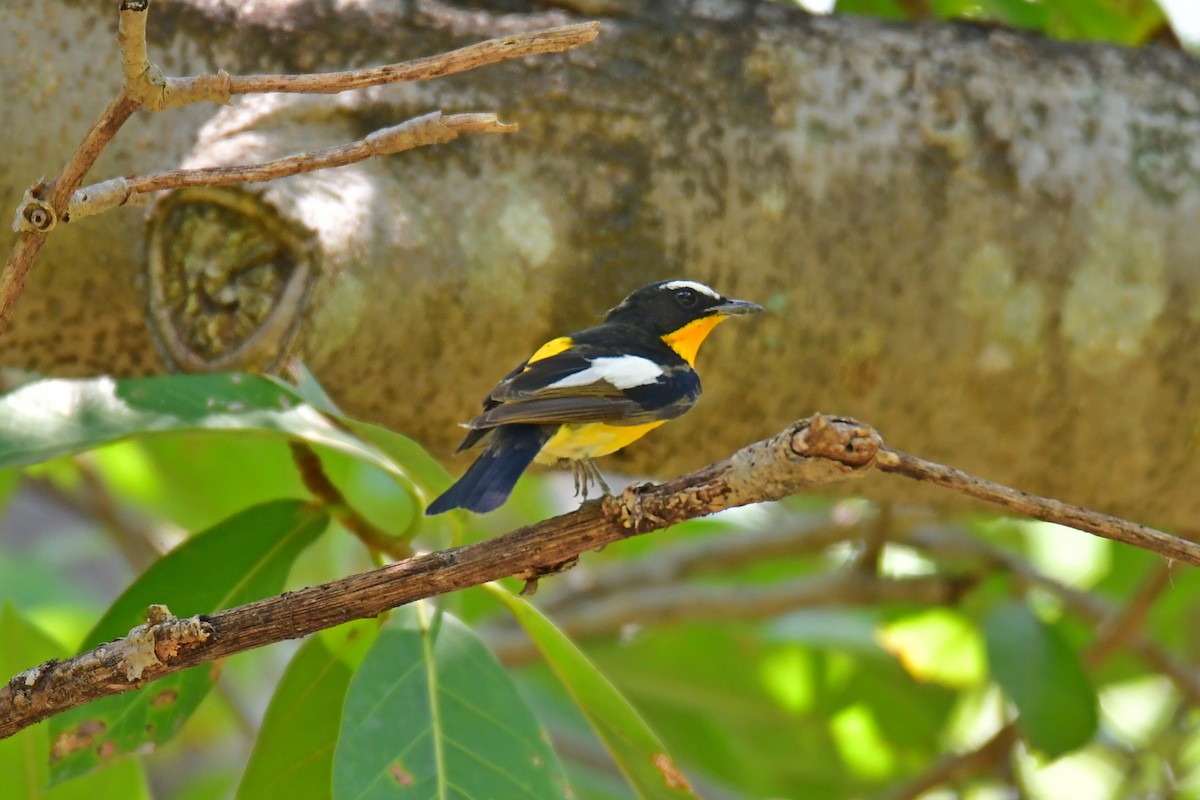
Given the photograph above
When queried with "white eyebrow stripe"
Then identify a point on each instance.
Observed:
(698, 287)
(623, 372)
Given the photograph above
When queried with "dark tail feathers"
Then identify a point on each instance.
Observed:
(487, 483)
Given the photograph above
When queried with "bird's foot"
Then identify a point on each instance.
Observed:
(586, 473)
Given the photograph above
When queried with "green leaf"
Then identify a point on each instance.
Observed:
(244, 558)
(888, 9)
(51, 418)
(293, 755)
(1128, 22)
(635, 748)
(1018, 13)
(1042, 676)
(24, 758)
(429, 476)
(432, 714)
(125, 779)
(10, 479)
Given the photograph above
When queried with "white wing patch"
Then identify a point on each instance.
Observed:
(695, 287)
(623, 372)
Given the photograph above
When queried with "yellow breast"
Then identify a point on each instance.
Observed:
(591, 439)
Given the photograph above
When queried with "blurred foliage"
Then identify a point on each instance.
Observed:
(1126, 22)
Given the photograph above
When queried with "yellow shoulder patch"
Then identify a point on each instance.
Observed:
(552, 348)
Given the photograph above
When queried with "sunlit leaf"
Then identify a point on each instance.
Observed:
(888, 9)
(197, 479)
(635, 748)
(1042, 676)
(938, 645)
(430, 713)
(243, 558)
(293, 754)
(50, 418)
(1128, 22)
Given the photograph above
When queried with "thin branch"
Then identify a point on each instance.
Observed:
(35, 217)
(519, 45)
(959, 767)
(44, 205)
(140, 539)
(1042, 508)
(1123, 624)
(317, 482)
(429, 129)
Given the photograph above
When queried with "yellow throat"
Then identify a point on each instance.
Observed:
(686, 341)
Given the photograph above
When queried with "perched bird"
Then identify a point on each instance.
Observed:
(591, 393)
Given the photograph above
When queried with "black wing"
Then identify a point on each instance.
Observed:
(589, 384)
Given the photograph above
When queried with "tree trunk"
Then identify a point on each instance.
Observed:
(981, 242)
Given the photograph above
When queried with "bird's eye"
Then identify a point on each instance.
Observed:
(686, 298)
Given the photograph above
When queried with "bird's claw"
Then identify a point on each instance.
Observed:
(585, 473)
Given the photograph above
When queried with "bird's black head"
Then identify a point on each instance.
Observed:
(668, 306)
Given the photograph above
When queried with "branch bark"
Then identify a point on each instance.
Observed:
(808, 453)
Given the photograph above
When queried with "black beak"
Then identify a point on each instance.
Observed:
(729, 308)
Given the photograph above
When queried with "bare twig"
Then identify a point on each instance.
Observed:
(145, 86)
(551, 40)
(429, 129)
(1122, 625)
(960, 766)
(139, 538)
(1042, 508)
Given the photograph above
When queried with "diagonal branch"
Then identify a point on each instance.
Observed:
(422, 131)
(808, 453)
(1042, 508)
(785, 463)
